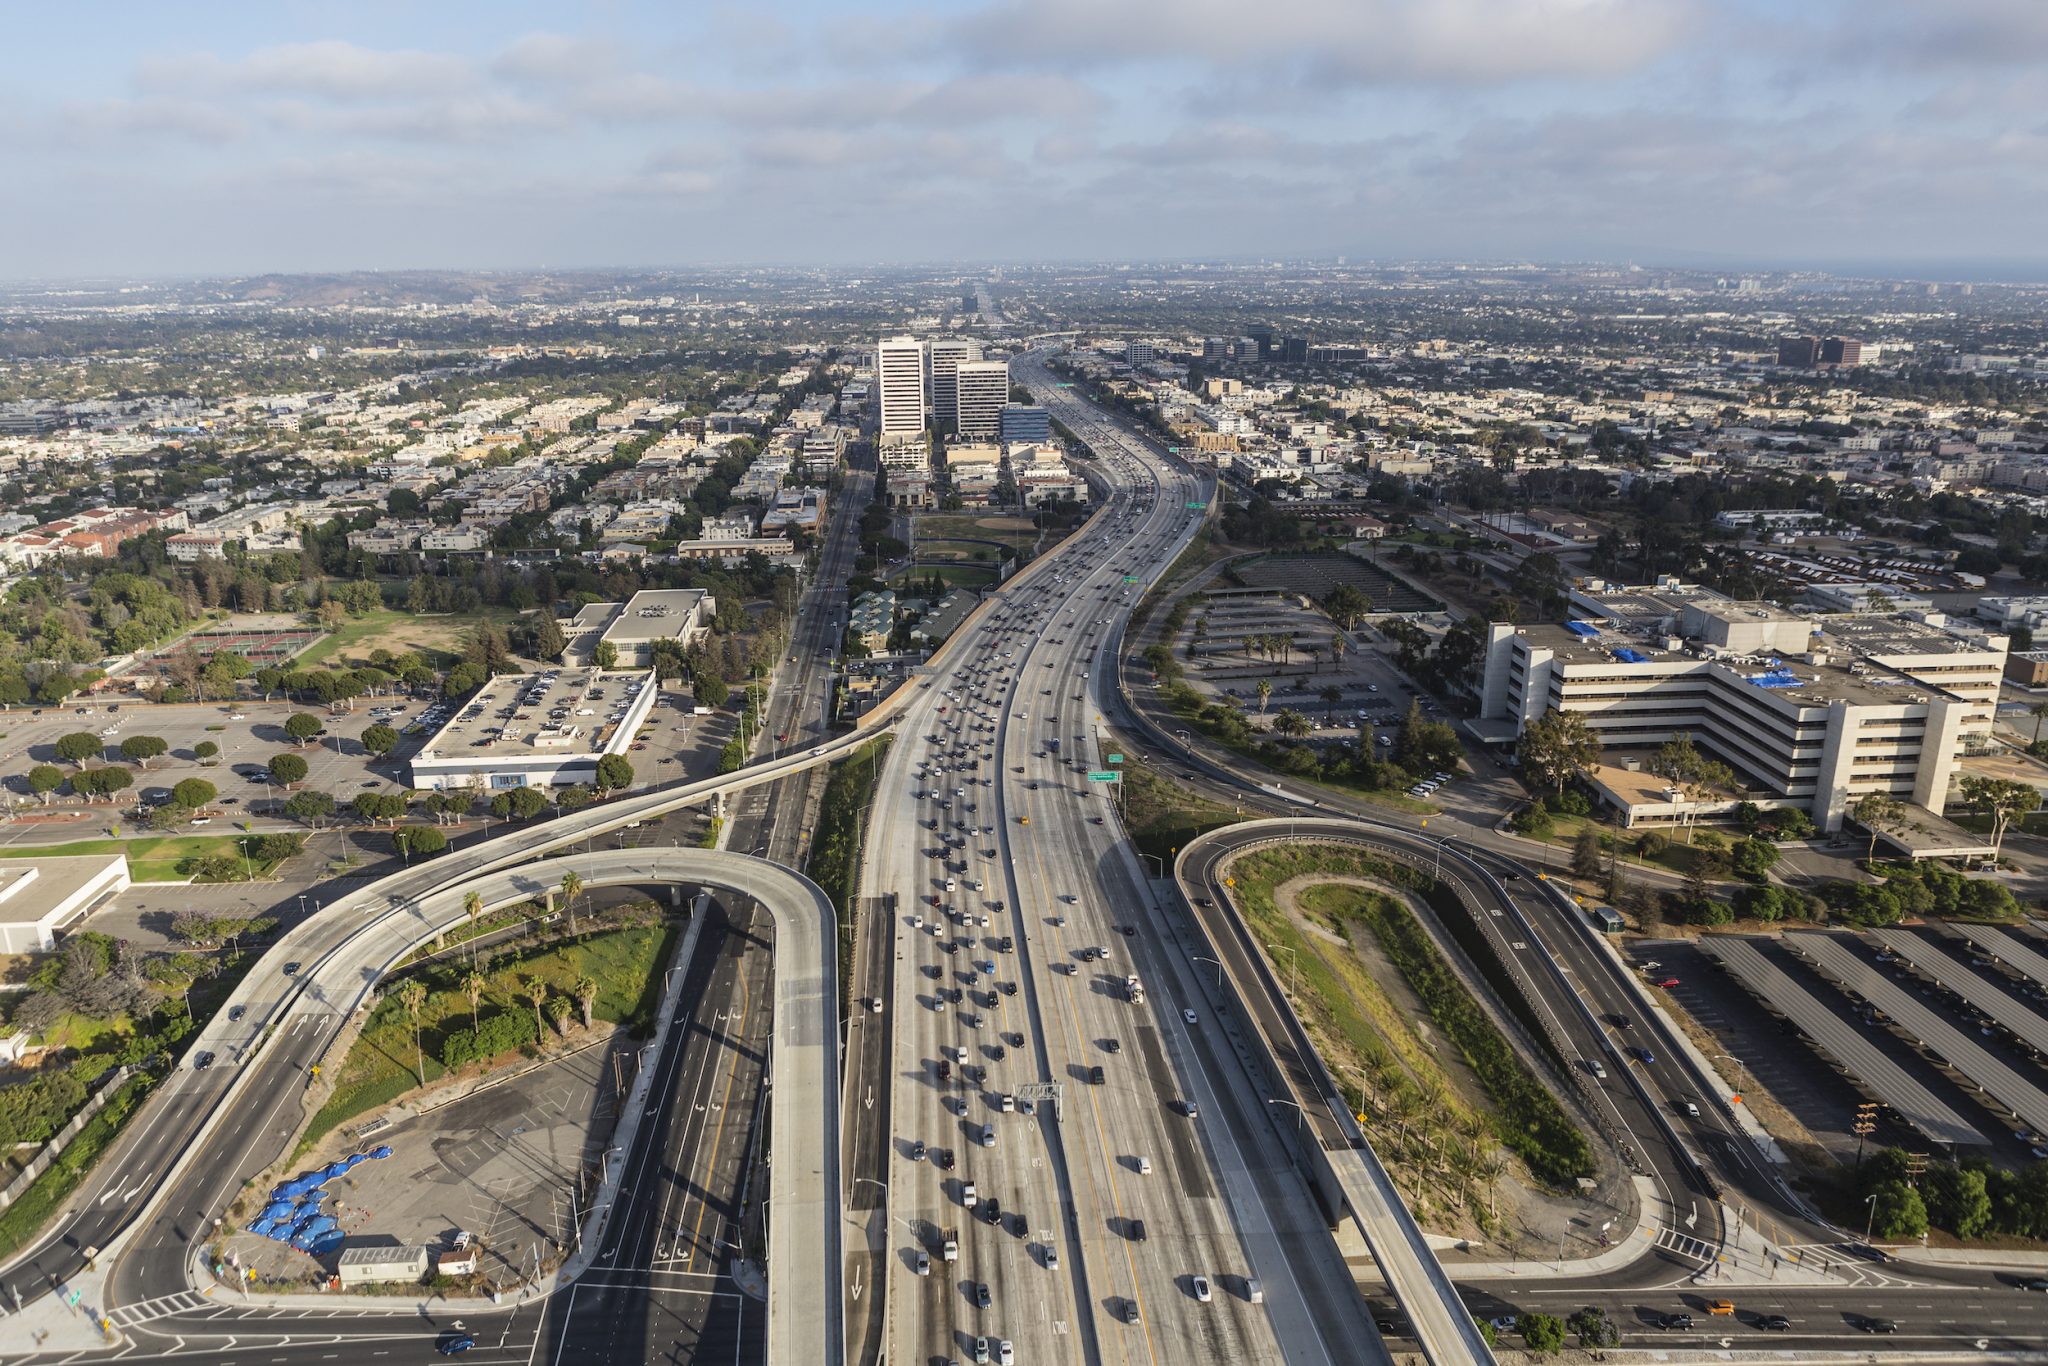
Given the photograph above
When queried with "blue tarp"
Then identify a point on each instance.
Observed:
(1780, 678)
(277, 1209)
(1581, 629)
(1631, 656)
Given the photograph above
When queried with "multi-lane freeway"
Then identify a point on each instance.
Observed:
(1093, 1152)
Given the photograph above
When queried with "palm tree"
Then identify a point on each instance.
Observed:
(558, 1011)
(472, 906)
(1338, 645)
(586, 997)
(1331, 696)
(1291, 722)
(475, 985)
(2039, 711)
(412, 994)
(1315, 656)
(536, 992)
(1264, 689)
(571, 885)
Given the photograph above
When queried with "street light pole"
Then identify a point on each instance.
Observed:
(1219, 970)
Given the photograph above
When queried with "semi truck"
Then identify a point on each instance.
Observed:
(1134, 990)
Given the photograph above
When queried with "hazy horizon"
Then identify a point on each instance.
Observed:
(1877, 138)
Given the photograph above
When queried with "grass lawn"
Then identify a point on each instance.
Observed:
(379, 1068)
(159, 858)
(1017, 531)
(1162, 816)
(1675, 856)
(437, 638)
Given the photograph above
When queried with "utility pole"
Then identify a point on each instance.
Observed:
(1863, 1127)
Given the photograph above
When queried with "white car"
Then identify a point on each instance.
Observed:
(1202, 1292)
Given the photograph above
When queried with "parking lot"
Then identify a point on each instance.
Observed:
(674, 745)
(1810, 1085)
(499, 1164)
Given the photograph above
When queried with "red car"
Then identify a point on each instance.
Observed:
(1668, 982)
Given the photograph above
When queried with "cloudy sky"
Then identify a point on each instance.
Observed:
(233, 137)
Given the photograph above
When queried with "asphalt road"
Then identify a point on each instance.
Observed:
(1010, 730)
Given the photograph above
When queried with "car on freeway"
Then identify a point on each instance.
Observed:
(1769, 1323)
(1671, 1323)
(454, 1344)
(291, 969)
(1188, 1015)
(1202, 1292)
(1872, 1325)
(201, 1060)
(1642, 1055)
(1668, 982)
(236, 1013)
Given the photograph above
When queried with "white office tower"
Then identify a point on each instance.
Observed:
(899, 384)
(947, 355)
(984, 388)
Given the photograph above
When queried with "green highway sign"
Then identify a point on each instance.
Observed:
(1130, 578)
(1065, 384)
(1101, 776)
(1173, 450)
(1196, 507)
(1116, 758)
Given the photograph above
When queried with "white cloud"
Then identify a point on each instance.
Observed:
(328, 69)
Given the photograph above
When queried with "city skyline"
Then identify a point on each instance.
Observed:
(1875, 138)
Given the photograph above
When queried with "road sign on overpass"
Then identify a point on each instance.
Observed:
(1102, 775)
(1196, 507)
(1116, 758)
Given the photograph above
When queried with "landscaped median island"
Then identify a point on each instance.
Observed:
(181, 858)
(1438, 1087)
(834, 862)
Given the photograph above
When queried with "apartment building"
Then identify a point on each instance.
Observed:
(1808, 710)
(945, 356)
(983, 392)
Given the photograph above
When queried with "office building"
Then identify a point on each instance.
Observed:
(899, 382)
(1138, 353)
(536, 730)
(945, 356)
(1027, 424)
(984, 390)
(631, 627)
(1842, 351)
(1811, 711)
(1799, 352)
(41, 898)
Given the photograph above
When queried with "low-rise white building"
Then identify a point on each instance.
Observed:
(42, 898)
(536, 730)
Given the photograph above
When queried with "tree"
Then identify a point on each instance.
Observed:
(1899, 1213)
(473, 982)
(536, 992)
(2039, 711)
(558, 1011)
(472, 906)
(606, 655)
(309, 808)
(79, 746)
(1594, 1329)
(614, 771)
(302, 726)
(1752, 858)
(1586, 854)
(205, 750)
(1874, 809)
(287, 770)
(572, 799)
(1542, 1334)
(709, 689)
(1425, 746)
(423, 840)
(1330, 696)
(2003, 799)
(1264, 688)
(412, 994)
(194, 792)
(380, 740)
(1557, 747)
(1292, 722)
(140, 749)
(572, 883)
(548, 642)
(586, 997)
(1681, 763)
(101, 782)
(44, 779)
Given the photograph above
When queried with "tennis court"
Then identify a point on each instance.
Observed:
(257, 646)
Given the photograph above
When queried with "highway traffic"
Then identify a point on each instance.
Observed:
(1064, 1122)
